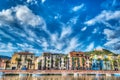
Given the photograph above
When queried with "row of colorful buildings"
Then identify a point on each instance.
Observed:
(56, 61)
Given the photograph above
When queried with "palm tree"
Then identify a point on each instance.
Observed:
(29, 63)
(57, 62)
(115, 64)
(66, 61)
(7, 64)
(74, 63)
(119, 62)
(106, 60)
(83, 62)
(18, 60)
(100, 63)
(90, 63)
(39, 65)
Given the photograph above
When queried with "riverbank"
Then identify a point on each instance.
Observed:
(58, 72)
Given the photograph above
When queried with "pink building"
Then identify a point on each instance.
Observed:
(2, 63)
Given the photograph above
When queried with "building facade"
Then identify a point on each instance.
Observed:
(51, 61)
(57, 61)
(22, 60)
(4, 63)
(76, 60)
(104, 62)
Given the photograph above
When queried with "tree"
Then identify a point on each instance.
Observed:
(115, 65)
(106, 60)
(66, 61)
(7, 64)
(75, 63)
(83, 62)
(39, 65)
(18, 60)
(29, 63)
(57, 62)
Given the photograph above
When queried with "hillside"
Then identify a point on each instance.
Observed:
(100, 52)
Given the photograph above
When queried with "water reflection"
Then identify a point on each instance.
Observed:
(57, 77)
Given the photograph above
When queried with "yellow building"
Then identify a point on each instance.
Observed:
(22, 60)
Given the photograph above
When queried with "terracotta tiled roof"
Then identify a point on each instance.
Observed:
(49, 54)
(24, 53)
(76, 54)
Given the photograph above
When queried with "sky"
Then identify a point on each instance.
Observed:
(59, 26)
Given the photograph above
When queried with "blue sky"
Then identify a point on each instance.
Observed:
(59, 26)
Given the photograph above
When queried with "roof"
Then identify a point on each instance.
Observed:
(24, 53)
(49, 54)
(76, 54)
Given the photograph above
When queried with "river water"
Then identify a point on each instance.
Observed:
(58, 77)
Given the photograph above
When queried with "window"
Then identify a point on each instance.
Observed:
(77, 54)
(31, 56)
(20, 56)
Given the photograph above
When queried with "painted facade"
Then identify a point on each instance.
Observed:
(76, 60)
(51, 61)
(71, 61)
(22, 60)
(4, 63)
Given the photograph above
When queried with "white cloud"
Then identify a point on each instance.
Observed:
(109, 33)
(6, 17)
(59, 46)
(84, 28)
(95, 31)
(45, 45)
(54, 37)
(27, 47)
(76, 8)
(72, 45)
(90, 46)
(6, 35)
(73, 20)
(25, 15)
(8, 47)
(58, 16)
(103, 17)
(43, 1)
(113, 39)
(66, 31)
(99, 48)
(32, 2)
(22, 14)
(24, 45)
(54, 51)
(112, 42)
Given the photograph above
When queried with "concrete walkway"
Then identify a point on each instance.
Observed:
(58, 72)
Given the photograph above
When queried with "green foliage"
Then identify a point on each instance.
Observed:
(18, 59)
(103, 52)
(39, 63)
(28, 59)
(66, 57)
(83, 60)
(106, 59)
(98, 59)
(48, 61)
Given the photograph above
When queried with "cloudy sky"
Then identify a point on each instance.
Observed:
(59, 26)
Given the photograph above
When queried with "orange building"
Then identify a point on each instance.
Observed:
(76, 60)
